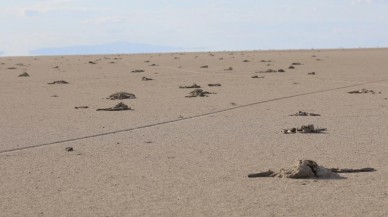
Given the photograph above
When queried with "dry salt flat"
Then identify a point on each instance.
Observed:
(171, 155)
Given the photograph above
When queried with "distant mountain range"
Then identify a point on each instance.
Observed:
(114, 48)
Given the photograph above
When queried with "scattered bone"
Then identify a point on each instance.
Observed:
(59, 82)
(198, 93)
(305, 169)
(362, 91)
(119, 107)
(146, 79)
(304, 129)
(214, 85)
(302, 113)
(191, 86)
(25, 74)
(204, 67)
(122, 95)
(81, 107)
(311, 73)
(137, 70)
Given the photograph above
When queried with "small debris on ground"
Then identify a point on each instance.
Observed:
(191, 86)
(302, 113)
(256, 76)
(271, 71)
(122, 95)
(59, 82)
(81, 107)
(291, 67)
(25, 74)
(363, 91)
(311, 73)
(119, 107)
(198, 93)
(91, 62)
(304, 129)
(68, 149)
(305, 169)
(214, 85)
(137, 70)
(228, 69)
(296, 64)
(204, 67)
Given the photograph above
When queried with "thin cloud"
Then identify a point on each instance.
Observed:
(43, 7)
(103, 20)
(366, 1)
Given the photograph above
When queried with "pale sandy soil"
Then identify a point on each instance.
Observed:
(152, 162)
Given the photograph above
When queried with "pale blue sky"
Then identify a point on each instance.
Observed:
(26, 25)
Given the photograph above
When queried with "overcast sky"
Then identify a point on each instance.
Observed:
(26, 25)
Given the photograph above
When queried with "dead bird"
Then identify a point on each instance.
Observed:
(25, 74)
(363, 90)
(310, 129)
(304, 169)
(302, 113)
(122, 95)
(59, 82)
(119, 107)
(191, 86)
(198, 93)
(304, 129)
(146, 79)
